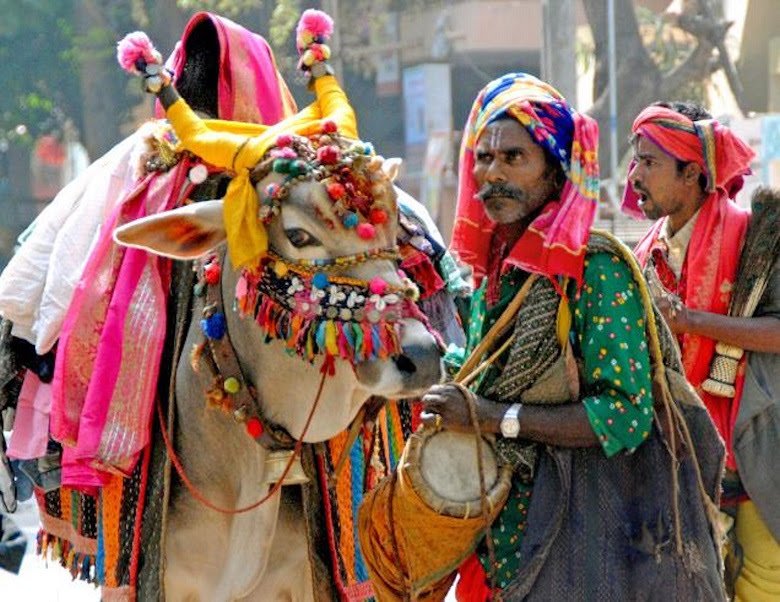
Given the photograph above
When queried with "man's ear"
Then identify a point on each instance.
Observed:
(691, 172)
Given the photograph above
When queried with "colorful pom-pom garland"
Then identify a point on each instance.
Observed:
(313, 31)
(137, 55)
(349, 171)
(319, 314)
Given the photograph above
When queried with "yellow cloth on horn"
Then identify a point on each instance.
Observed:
(240, 146)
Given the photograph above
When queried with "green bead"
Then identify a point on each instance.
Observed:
(232, 385)
(281, 165)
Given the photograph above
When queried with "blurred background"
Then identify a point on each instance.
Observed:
(411, 68)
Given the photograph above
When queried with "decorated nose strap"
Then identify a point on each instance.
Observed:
(316, 311)
(311, 266)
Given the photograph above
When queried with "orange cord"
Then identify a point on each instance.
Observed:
(198, 495)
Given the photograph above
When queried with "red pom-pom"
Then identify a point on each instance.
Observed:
(254, 427)
(329, 126)
(212, 272)
(335, 191)
(366, 231)
(136, 49)
(378, 216)
(328, 155)
(283, 140)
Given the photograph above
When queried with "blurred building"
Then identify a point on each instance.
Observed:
(432, 62)
(430, 66)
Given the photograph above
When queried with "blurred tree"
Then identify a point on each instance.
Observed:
(38, 67)
(57, 62)
(665, 58)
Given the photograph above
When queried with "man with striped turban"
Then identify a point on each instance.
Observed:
(686, 171)
(598, 509)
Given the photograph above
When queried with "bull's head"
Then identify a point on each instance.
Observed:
(331, 223)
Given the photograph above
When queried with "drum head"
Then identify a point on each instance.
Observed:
(448, 465)
(442, 468)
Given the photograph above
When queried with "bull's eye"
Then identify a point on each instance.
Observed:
(300, 238)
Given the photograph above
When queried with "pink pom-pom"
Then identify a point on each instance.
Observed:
(366, 231)
(317, 24)
(284, 153)
(135, 51)
(377, 285)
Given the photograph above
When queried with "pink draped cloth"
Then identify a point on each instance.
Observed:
(250, 87)
(111, 341)
(31, 424)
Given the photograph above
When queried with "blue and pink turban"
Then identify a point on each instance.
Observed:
(554, 243)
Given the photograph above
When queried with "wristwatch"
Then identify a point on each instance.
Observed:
(510, 423)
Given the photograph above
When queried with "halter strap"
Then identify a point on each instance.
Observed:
(335, 263)
(229, 382)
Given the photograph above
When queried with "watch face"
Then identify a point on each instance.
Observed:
(510, 427)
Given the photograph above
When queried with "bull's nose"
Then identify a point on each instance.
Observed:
(419, 365)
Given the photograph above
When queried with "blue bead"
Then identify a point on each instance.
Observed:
(320, 280)
(215, 326)
(350, 220)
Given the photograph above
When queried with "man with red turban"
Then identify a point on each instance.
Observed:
(686, 171)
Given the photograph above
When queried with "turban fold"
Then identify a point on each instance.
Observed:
(554, 243)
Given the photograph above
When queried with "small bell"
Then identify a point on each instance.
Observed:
(198, 174)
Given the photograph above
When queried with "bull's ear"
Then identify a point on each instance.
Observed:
(184, 233)
(391, 167)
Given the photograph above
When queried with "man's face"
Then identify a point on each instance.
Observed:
(662, 188)
(511, 172)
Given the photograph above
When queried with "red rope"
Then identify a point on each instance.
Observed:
(198, 495)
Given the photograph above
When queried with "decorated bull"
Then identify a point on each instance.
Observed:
(308, 320)
(247, 369)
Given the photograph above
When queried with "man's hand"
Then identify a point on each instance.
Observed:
(445, 406)
(674, 312)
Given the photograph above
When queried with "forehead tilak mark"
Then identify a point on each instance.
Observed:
(495, 137)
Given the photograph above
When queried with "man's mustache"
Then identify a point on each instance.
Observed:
(501, 190)
(639, 189)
